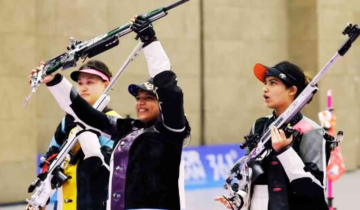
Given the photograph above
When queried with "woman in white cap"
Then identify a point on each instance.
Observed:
(294, 167)
(88, 183)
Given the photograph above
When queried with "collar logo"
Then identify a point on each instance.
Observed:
(282, 76)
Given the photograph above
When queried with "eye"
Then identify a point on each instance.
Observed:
(151, 98)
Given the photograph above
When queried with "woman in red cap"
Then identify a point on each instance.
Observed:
(294, 168)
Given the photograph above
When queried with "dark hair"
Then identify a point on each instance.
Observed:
(98, 65)
(302, 79)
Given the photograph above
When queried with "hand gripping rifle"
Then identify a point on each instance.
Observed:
(244, 169)
(90, 48)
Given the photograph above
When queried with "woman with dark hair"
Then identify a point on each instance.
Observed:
(294, 167)
(144, 166)
(84, 190)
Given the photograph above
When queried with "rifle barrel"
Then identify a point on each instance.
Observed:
(167, 8)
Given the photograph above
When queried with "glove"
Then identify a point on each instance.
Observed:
(143, 28)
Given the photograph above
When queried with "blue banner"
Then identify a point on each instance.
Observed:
(209, 166)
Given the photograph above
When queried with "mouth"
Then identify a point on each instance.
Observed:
(266, 98)
(84, 94)
(142, 110)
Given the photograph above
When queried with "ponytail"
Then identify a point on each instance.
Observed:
(306, 83)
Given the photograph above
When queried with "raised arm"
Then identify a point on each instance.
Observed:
(72, 103)
(169, 94)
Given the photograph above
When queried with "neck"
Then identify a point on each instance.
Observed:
(149, 123)
(280, 110)
(283, 106)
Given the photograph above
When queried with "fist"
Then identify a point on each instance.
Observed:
(143, 28)
(279, 140)
(47, 79)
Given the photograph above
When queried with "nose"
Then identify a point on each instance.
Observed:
(84, 88)
(265, 89)
(140, 101)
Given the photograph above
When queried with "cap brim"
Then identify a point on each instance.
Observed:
(134, 89)
(75, 75)
(260, 72)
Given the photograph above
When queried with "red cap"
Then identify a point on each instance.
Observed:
(260, 71)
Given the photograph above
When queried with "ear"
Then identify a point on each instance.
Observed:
(293, 91)
(107, 84)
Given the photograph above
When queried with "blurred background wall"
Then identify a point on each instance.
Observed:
(213, 45)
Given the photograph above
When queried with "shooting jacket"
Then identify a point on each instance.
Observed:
(296, 176)
(83, 190)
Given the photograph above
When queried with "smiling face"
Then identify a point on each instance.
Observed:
(277, 96)
(90, 87)
(147, 106)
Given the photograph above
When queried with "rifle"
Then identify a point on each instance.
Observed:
(90, 48)
(46, 183)
(244, 169)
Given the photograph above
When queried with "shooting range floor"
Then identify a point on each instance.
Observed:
(346, 193)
